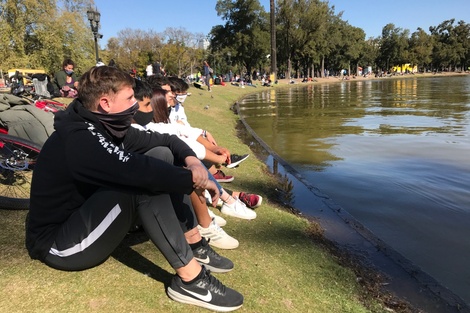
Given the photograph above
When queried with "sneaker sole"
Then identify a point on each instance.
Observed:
(215, 269)
(257, 204)
(232, 165)
(225, 180)
(216, 244)
(236, 215)
(178, 297)
(224, 246)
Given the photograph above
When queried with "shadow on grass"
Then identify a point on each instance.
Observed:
(136, 261)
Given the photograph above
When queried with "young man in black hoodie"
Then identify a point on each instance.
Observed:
(93, 179)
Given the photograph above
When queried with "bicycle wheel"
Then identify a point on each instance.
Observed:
(17, 160)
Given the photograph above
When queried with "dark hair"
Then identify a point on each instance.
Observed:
(142, 90)
(68, 62)
(156, 82)
(99, 81)
(177, 84)
(160, 106)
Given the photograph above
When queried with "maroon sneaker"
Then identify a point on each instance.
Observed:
(222, 178)
(250, 199)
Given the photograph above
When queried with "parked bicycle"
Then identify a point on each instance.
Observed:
(17, 160)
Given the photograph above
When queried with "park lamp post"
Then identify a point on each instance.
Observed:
(94, 18)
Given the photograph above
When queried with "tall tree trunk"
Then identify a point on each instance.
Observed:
(289, 68)
(273, 40)
(322, 75)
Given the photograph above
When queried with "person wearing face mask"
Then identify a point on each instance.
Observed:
(155, 103)
(96, 176)
(65, 81)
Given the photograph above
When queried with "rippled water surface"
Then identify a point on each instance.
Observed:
(394, 153)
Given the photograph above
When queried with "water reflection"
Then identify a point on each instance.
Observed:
(393, 153)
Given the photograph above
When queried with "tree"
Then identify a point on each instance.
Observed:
(452, 44)
(302, 28)
(421, 46)
(134, 48)
(245, 33)
(41, 33)
(394, 47)
(370, 52)
(329, 47)
(351, 45)
(179, 43)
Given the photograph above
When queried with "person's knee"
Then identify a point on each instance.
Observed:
(161, 153)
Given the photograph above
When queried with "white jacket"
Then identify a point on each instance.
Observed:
(187, 134)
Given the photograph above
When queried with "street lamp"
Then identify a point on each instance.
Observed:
(94, 18)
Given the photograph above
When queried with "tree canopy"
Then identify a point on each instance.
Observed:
(310, 37)
(42, 33)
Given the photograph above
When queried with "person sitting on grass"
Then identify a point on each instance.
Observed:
(157, 109)
(178, 116)
(96, 175)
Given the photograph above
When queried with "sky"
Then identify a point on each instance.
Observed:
(200, 16)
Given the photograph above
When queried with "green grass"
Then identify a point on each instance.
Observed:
(278, 267)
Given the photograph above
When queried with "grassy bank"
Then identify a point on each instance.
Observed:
(278, 267)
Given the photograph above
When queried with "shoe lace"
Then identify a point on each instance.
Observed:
(209, 251)
(239, 205)
(213, 284)
(217, 228)
(244, 198)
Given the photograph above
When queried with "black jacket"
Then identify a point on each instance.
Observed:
(80, 157)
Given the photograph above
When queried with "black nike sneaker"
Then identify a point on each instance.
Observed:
(213, 261)
(236, 159)
(207, 292)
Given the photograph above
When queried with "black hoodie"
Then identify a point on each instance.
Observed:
(80, 157)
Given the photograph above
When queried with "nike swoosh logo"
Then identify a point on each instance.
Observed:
(207, 297)
(207, 260)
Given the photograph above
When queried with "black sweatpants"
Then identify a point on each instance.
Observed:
(94, 231)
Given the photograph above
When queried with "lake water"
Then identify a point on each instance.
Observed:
(394, 153)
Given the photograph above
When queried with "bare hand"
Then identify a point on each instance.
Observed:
(213, 190)
(222, 151)
(199, 172)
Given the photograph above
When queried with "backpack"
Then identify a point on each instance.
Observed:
(43, 85)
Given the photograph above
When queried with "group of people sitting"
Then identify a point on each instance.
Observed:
(124, 156)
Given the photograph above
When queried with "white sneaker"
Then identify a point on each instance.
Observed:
(219, 220)
(218, 237)
(238, 209)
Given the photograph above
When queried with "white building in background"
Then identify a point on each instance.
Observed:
(203, 44)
